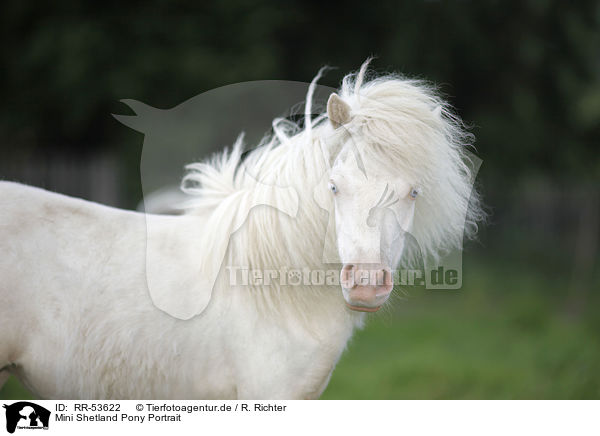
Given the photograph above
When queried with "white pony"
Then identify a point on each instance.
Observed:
(77, 320)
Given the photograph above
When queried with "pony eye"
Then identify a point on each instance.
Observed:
(413, 193)
(333, 188)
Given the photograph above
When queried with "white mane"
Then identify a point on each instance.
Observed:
(413, 132)
(410, 131)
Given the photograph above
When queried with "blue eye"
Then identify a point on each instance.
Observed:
(413, 193)
(333, 188)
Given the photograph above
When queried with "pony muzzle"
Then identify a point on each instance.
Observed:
(366, 287)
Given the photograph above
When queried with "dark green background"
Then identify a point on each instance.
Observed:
(525, 75)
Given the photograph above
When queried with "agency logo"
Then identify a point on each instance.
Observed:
(26, 415)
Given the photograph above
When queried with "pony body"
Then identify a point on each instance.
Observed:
(78, 320)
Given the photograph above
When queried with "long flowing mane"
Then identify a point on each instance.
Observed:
(410, 131)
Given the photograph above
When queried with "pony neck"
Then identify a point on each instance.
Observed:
(271, 242)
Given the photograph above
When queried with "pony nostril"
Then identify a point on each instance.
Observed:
(347, 268)
(385, 288)
(347, 276)
(386, 275)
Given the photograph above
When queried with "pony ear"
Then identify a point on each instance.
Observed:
(337, 110)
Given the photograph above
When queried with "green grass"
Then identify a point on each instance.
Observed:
(507, 334)
(13, 390)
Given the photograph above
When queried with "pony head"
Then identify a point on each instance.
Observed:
(399, 167)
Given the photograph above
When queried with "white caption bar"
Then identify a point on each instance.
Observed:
(297, 417)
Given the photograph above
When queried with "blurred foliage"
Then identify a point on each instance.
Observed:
(524, 74)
